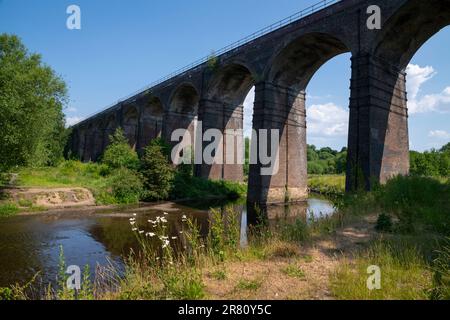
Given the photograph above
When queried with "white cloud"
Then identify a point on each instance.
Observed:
(439, 134)
(327, 120)
(70, 121)
(72, 109)
(417, 76)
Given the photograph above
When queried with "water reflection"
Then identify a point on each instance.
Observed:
(30, 244)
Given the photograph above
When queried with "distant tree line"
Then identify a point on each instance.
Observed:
(432, 163)
(326, 160)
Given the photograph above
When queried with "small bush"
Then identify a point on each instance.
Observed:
(157, 172)
(250, 285)
(219, 275)
(119, 154)
(384, 223)
(8, 209)
(293, 271)
(125, 186)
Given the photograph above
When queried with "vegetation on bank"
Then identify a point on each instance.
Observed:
(413, 253)
(122, 177)
(31, 108)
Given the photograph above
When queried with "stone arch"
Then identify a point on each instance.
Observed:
(151, 120)
(296, 63)
(280, 106)
(231, 84)
(409, 28)
(130, 125)
(81, 142)
(222, 108)
(182, 113)
(98, 139)
(184, 100)
(89, 143)
(379, 132)
(109, 129)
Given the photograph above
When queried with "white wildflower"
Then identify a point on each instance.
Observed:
(165, 244)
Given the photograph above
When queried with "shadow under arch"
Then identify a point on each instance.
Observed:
(151, 121)
(130, 124)
(222, 108)
(110, 128)
(405, 32)
(280, 105)
(182, 114)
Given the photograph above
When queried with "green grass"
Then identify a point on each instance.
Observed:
(405, 275)
(186, 187)
(8, 209)
(219, 275)
(327, 184)
(249, 285)
(293, 271)
(70, 174)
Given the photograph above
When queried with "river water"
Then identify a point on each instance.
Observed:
(31, 244)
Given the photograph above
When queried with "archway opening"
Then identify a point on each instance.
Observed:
(285, 92)
(151, 121)
(327, 114)
(130, 125)
(224, 109)
(182, 115)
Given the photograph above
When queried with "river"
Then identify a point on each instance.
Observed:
(31, 243)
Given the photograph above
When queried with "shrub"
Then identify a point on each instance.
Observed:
(157, 172)
(416, 202)
(126, 186)
(119, 154)
(8, 209)
(384, 223)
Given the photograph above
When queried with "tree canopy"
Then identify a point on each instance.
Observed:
(32, 96)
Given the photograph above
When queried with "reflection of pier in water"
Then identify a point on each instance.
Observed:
(272, 214)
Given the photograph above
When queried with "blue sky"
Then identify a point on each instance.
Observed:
(125, 45)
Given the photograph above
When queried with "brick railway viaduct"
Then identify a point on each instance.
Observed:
(280, 63)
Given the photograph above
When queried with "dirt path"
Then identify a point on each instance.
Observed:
(267, 279)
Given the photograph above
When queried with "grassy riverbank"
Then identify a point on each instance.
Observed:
(322, 259)
(402, 228)
(327, 184)
(98, 179)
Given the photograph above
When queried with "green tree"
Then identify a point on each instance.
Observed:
(157, 171)
(119, 154)
(32, 97)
